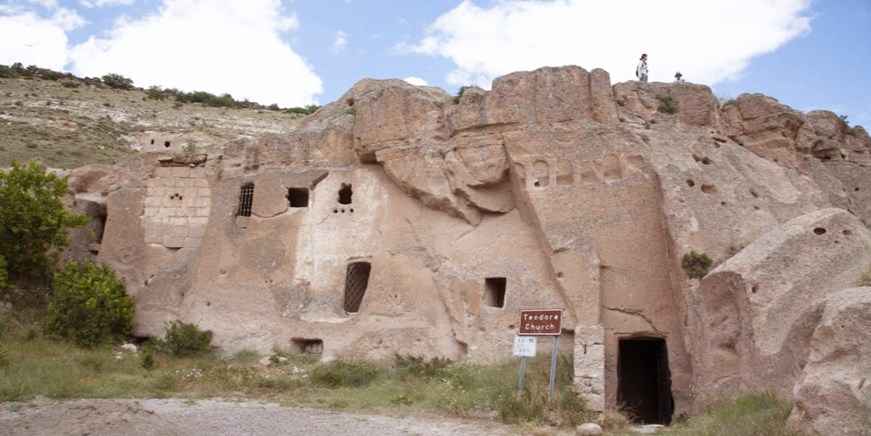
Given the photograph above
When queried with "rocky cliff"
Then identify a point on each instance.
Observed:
(398, 220)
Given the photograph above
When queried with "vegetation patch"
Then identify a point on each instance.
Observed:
(186, 340)
(667, 105)
(696, 265)
(750, 415)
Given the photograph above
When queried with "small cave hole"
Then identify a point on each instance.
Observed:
(691, 183)
(756, 207)
(335, 210)
(152, 142)
(723, 203)
(494, 291)
(709, 189)
(166, 144)
(537, 184)
(754, 288)
(298, 197)
(846, 232)
(559, 274)
(856, 189)
(310, 347)
(345, 194)
(820, 231)
(754, 193)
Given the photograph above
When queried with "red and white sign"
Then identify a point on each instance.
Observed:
(541, 322)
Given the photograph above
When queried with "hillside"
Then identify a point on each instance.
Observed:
(70, 123)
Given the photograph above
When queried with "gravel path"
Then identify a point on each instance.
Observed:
(216, 418)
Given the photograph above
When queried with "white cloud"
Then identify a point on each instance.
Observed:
(32, 40)
(416, 81)
(219, 46)
(340, 43)
(707, 40)
(101, 3)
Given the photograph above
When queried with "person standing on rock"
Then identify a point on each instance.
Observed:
(678, 78)
(641, 69)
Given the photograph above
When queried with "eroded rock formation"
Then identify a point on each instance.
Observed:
(398, 221)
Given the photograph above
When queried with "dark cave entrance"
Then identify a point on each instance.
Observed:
(644, 380)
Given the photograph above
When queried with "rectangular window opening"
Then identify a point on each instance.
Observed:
(356, 282)
(311, 347)
(494, 291)
(246, 200)
(298, 197)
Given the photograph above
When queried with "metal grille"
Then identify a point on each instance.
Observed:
(246, 199)
(356, 282)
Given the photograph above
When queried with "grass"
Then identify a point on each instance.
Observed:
(36, 365)
(762, 414)
(667, 105)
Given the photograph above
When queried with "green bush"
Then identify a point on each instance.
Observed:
(667, 105)
(183, 339)
(88, 305)
(340, 373)
(117, 81)
(696, 265)
(70, 84)
(33, 220)
(460, 93)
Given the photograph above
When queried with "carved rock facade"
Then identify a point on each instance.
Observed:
(398, 221)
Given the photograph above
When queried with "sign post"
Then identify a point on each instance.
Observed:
(542, 322)
(524, 346)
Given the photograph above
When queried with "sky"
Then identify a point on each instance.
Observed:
(808, 54)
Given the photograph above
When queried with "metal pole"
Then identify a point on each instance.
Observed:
(552, 368)
(522, 372)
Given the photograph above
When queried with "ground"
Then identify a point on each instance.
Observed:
(147, 417)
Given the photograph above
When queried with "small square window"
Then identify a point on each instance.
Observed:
(298, 197)
(494, 291)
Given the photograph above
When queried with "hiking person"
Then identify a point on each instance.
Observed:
(678, 78)
(641, 69)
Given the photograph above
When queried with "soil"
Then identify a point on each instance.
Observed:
(220, 417)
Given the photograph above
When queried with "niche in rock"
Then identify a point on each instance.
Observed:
(298, 197)
(345, 194)
(356, 282)
(644, 380)
(311, 347)
(494, 291)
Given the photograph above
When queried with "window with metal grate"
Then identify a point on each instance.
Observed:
(356, 282)
(246, 199)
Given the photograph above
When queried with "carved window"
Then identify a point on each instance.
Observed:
(246, 200)
(298, 197)
(345, 194)
(356, 282)
(494, 291)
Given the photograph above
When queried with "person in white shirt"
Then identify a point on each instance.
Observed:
(641, 69)
(678, 78)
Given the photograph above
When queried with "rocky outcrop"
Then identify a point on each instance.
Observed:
(397, 220)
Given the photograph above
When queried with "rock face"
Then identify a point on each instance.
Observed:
(398, 221)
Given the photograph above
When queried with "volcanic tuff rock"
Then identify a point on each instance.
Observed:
(398, 221)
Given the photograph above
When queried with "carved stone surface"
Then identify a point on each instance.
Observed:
(552, 190)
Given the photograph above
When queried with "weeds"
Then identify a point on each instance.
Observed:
(667, 105)
(696, 265)
(185, 340)
(749, 415)
(352, 373)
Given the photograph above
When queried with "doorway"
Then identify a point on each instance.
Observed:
(644, 380)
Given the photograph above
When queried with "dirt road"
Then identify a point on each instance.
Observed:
(216, 418)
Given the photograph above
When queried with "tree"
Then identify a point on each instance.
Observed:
(33, 220)
(117, 81)
(89, 305)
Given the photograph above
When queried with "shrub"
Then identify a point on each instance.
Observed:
(410, 367)
(460, 93)
(33, 220)
(182, 339)
(155, 93)
(667, 105)
(148, 359)
(70, 84)
(88, 305)
(117, 81)
(340, 373)
(696, 265)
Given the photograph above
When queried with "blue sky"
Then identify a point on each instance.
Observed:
(809, 54)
